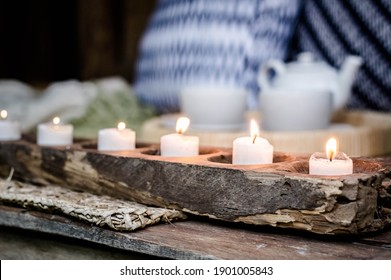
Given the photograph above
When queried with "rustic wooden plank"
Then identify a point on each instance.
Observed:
(20, 244)
(382, 239)
(58, 225)
(281, 194)
(201, 240)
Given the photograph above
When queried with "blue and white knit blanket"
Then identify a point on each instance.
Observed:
(210, 42)
(332, 29)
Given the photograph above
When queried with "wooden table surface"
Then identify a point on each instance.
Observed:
(190, 239)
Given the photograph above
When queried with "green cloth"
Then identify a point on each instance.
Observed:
(110, 108)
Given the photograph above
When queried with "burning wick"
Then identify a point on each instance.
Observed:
(121, 126)
(3, 114)
(56, 120)
(331, 163)
(331, 148)
(182, 124)
(331, 155)
(254, 130)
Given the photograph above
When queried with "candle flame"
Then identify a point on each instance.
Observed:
(182, 124)
(254, 130)
(331, 148)
(3, 114)
(56, 120)
(121, 126)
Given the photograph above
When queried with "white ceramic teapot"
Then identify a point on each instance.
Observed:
(309, 75)
(303, 95)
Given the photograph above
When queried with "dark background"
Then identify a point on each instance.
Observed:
(44, 40)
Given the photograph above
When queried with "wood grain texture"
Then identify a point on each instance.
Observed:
(281, 194)
(20, 244)
(201, 240)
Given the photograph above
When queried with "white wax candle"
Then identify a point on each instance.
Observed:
(252, 150)
(247, 152)
(321, 165)
(179, 145)
(55, 134)
(330, 163)
(116, 139)
(9, 130)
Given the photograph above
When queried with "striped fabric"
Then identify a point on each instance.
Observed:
(332, 29)
(210, 42)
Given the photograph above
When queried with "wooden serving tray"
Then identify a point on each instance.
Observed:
(281, 194)
(359, 133)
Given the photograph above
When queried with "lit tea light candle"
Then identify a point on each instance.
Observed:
(331, 163)
(55, 133)
(252, 149)
(116, 139)
(177, 144)
(9, 130)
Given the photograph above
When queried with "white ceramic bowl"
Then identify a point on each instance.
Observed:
(214, 108)
(285, 110)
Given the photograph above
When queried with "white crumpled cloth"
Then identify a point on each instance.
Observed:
(67, 99)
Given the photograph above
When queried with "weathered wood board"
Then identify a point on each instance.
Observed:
(183, 240)
(281, 194)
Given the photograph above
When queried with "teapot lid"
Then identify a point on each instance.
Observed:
(306, 63)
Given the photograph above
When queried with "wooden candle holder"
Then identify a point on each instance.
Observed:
(281, 194)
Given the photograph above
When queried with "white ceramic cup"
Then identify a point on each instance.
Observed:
(214, 108)
(287, 110)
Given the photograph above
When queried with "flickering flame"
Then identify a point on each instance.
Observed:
(121, 126)
(331, 148)
(56, 120)
(182, 124)
(254, 130)
(3, 114)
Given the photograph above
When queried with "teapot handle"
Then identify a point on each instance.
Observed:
(277, 66)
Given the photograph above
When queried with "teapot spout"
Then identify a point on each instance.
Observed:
(347, 76)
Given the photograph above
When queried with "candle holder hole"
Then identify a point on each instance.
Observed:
(359, 166)
(93, 145)
(365, 166)
(208, 151)
(282, 157)
(31, 138)
(227, 158)
(151, 152)
(202, 151)
(89, 145)
(300, 167)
